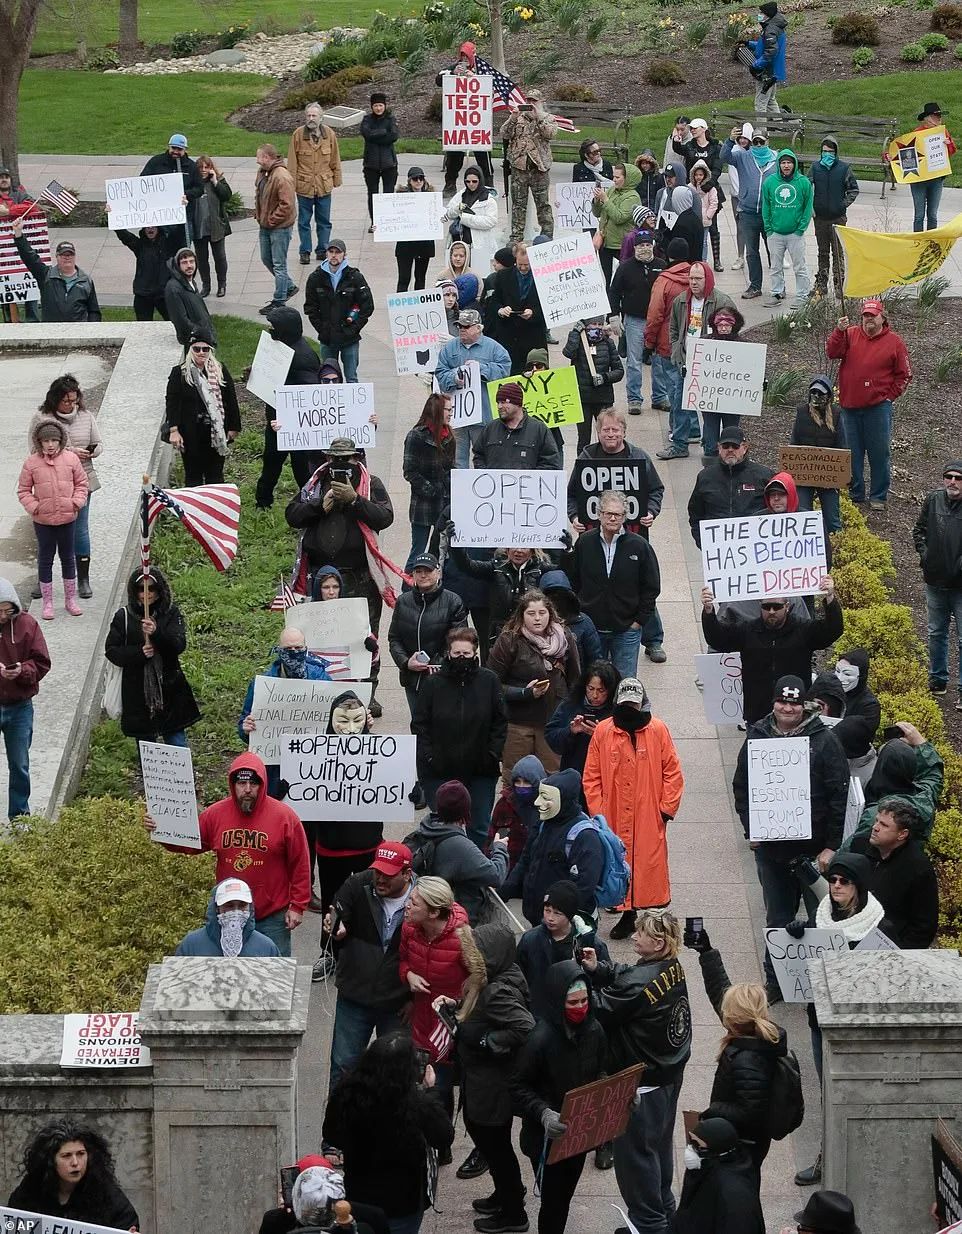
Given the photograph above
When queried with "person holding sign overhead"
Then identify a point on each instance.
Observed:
(173, 160)
(927, 194)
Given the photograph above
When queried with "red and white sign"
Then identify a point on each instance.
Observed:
(103, 1039)
(467, 112)
(35, 233)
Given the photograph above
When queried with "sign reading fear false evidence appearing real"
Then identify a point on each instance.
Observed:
(763, 555)
(724, 376)
(467, 112)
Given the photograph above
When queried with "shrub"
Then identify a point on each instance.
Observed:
(433, 109)
(331, 60)
(663, 72)
(233, 34)
(951, 361)
(329, 91)
(568, 92)
(185, 43)
(885, 628)
(934, 42)
(916, 706)
(235, 205)
(897, 676)
(913, 53)
(947, 18)
(857, 585)
(374, 47)
(102, 58)
(958, 51)
(855, 30)
(862, 57)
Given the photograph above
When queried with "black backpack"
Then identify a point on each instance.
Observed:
(423, 850)
(786, 1103)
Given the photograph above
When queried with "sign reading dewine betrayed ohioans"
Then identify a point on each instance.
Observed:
(504, 508)
(287, 705)
(594, 476)
(816, 466)
(350, 778)
(145, 201)
(763, 555)
(102, 1039)
(568, 279)
(779, 789)
(310, 417)
(407, 216)
(419, 329)
(467, 112)
(723, 376)
(550, 394)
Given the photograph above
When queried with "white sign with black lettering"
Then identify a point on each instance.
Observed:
(854, 806)
(407, 216)
(724, 376)
(19, 289)
(572, 206)
(269, 369)
(289, 705)
(310, 417)
(336, 631)
(102, 1039)
(779, 789)
(419, 329)
(761, 555)
(170, 794)
(568, 279)
(875, 940)
(360, 777)
(516, 509)
(145, 201)
(20, 1221)
(721, 676)
(791, 957)
(466, 407)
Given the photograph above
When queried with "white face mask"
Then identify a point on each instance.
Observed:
(847, 674)
(232, 925)
(692, 1160)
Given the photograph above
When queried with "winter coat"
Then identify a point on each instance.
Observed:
(529, 447)
(680, 313)
(614, 210)
(906, 886)
(651, 182)
(835, 188)
(607, 364)
(380, 134)
(151, 271)
(459, 861)
(515, 662)
(493, 361)
(212, 219)
(427, 468)
(667, 286)
(481, 222)
(106, 1206)
(646, 1015)
(334, 536)
(420, 622)
(751, 176)
(721, 1197)
(52, 488)
(489, 1040)
(314, 165)
(58, 302)
(557, 588)
(328, 309)
(165, 165)
(82, 434)
(770, 47)
(911, 774)
(573, 747)
(287, 326)
(628, 594)
(829, 775)
(872, 370)
(723, 491)
(460, 724)
(516, 334)
(808, 432)
(206, 940)
(769, 653)
(518, 818)
(635, 781)
(186, 411)
(787, 200)
(538, 953)
(937, 536)
(367, 959)
(185, 306)
(706, 192)
(632, 285)
(656, 487)
(506, 583)
(440, 962)
(21, 642)
(124, 646)
(275, 203)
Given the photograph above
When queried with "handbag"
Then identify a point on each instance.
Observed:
(113, 680)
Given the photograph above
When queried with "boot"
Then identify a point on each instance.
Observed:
(46, 590)
(625, 926)
(36, 593)
(810, 1176)
(221, 290)
(83, 578)
(70, 597)
(205, 291)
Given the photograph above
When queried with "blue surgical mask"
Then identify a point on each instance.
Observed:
(293, 660)
(827, 158)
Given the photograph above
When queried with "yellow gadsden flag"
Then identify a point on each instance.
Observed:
(876, 261)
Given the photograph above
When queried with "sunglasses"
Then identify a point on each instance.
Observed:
(730, 445)
(415, 178)
(840, 880)
(329, 381)
(772, 608)
(759, 141)
(199, 348)
(952, 475)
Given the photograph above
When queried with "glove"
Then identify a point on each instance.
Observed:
(370, 643)
(699, 941)
(597, 380)
(646, 355)
(797, 928)
(551, 1121)
(565, 539)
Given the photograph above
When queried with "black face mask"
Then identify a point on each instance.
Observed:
(630, 718)
(462, 666)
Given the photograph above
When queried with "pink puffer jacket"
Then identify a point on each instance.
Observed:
(52, 488)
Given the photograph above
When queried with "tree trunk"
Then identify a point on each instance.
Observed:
(128, 37)
(497, 36)
(18, 24)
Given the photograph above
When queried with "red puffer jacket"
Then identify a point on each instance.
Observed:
(440, 963)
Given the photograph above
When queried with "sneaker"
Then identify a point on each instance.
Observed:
(551, 340)
(635, 409)
(473, 1166)
(752, 294)
(719, 268)
(499, 1223)
(305, 259)
(604, 1157)
(774, 299)
(773, 992)
(811, 1176)
(656, 654)
(671, 452)
(487, 1204)
(876, 505)
(292, 291)
(661, 407)
(738, 263)
(624, 927)
(323, 967)
(936, 686)
(269, 308)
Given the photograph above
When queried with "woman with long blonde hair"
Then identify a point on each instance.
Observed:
(202, 416)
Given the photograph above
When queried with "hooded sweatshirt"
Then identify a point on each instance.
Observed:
(615, 209)
(22, 642)
(873, 369)
(787, 200)
(689, 319)
(788, 484)
(557, 587)
(514, 814)
(287, 326)
(751, 174)
(186, 307)
(651, 182)
(206, 940)
(706, 192)
(667, 286)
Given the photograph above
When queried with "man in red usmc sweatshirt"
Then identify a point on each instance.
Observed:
(262, 841)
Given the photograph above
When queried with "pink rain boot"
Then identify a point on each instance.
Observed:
(70, 598)
(46, 591)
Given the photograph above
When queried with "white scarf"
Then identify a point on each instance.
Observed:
(854, 928)
(209, 390)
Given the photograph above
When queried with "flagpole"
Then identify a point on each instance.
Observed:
(145, 551)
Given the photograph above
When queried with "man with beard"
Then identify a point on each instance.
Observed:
(229, 927)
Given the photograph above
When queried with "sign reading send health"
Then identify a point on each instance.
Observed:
(779, 789)
(517, 509)
(763, 555)
(145, 201)
(350, 778)
(568, 279)
(419, 329)
(550, 394)
(311, 417)
(724, 377)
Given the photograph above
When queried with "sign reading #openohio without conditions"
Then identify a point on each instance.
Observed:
(763, 555)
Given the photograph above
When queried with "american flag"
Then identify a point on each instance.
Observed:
(507, 95)
(338, 661)
(441, 1039)
(60, 198)
(35, 233)
(283, 599)
(210, 512)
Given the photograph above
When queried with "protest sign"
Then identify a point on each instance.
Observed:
(572, 206)
(568, 279)
(271, 364)
(102, 1039)
(145, 201)
(407, 216)
(721, 676)
(466, 406)
(816, 466)
(19, 289)
(854, 806)
(504, 508)
(791, 957)
(335, 630)
(419, 329)
(350, 778)
(723, 376)
(919, 155)
(310, 417)
(551, 395)
(170, 794)
(947, 1167)
(596, 1113)
(763, 555)
(20, 1221)
(284, 706)
(467, 111)
(593, 476)
(779, 789)
(36, 235)
(875, 940)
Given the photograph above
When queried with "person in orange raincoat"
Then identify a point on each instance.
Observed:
(633, 777)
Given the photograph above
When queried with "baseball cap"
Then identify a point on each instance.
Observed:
(874, 308)
(232, 889)
(178, 139)
(391, 858)
(337, 244)
(415, 173)
(469, 317)
(698, 123)
(630, 690)
(733, 435)
(246, 775)
(426, 561)
(65, 246)
(789, 689)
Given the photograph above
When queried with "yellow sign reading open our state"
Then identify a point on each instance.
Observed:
(920, 155)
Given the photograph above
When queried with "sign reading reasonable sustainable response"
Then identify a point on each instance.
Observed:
(947, 1167)
(591, 477)
(721, 676)
(350, 778)
(763, 555)
(419, 329)
(407, 216)
(791, 957)
(550, 394)
(920, 155)
(724, 376)
(145, 201)
(287, 706)
(568, 279)
(466, 405)
(467, 111)
(779, 789)
(169, 791)
(572, 206)
(269, 368)
(502, 508)
(336, 631)
(102, 1039)
(596, 1113)
(816, 466)
(310, 417)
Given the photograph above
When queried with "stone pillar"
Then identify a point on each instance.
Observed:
(223, 1037)
(892, 1031)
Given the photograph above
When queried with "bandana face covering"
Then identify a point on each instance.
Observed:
(524, 792)
(576, 1015)
(847, 675)
(232, 925)
(348, 720)
(293, 660)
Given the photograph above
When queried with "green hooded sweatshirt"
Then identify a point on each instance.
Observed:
(615, 210)
(787, 203)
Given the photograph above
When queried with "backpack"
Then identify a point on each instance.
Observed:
(616, 872)
(786, 1107)
(423, 850)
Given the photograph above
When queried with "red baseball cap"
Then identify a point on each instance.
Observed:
(874, 308)
(313, 1159)
(391, 858)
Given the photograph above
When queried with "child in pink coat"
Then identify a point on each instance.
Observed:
(700, 179)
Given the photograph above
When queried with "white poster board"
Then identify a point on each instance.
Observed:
(467, 111)
(145, 201)
(102, 1039)
(875, 940)
(791, 957)
(568, 279)
(466, 405)
(508, 509)
(19, 289)
(311, 417)
(760, 555)
(360, 777)
(407, 216)
(724, 377)
(288, 705)
(419, 329)
(779, 789)
(335, 630)
(572, 206)
(936, 151)
(170, 793)
(854, 806)
(19, 1221)
(272, 362)
(721, 676)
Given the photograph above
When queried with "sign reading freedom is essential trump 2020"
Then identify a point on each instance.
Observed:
(145, 201)
(779, 789)
(763, 555)
(467, 111)
(351, 778)
(568, 279)
(724, 376)
(419, 329)
(311, 417)
(505, 508)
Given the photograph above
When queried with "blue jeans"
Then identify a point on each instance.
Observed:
(353, 1025)
(782, 890)
(275, 241)
(828, 500)
(943, 603)
(464, 439)
(275, 929)
(81, 530)
(320, 208)
(653, 632)
(750, 222)
(666, 379)
(481, 790)
(420, 535)
(635, 346)
(868, 430)
(16, 724)
(682, 424)
(925, 198)
(621, 648)
(713, 423)
(644, 1160)
(346, 354)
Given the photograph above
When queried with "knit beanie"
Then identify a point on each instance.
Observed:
(718, 1133)
(677, 250)
(452, 802)
(769, 9)
(510, 392)
(537, 355)
(504, 257)
(562, 896)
